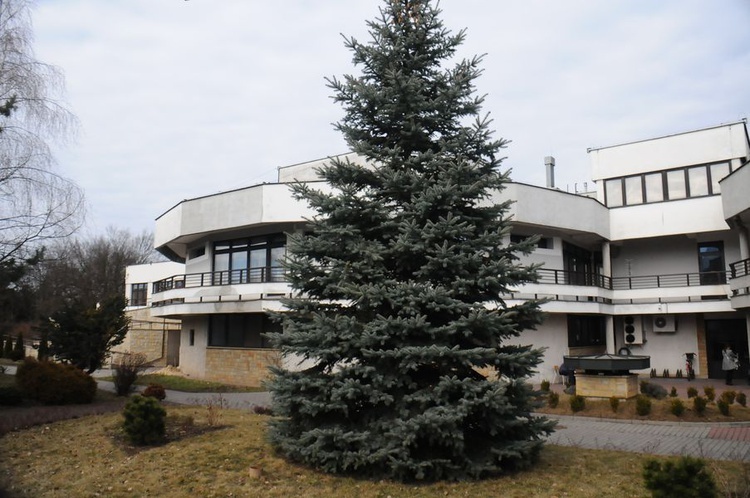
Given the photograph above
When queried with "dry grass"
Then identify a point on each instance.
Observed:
(660, 410)
(84, 457)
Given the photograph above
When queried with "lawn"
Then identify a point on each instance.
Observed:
(186, 384)
(83, 457)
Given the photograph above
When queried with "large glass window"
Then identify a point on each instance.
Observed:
(249, 260)
(241, 330)
(698, 181)
(585, 330)
(711, 263)
(654, 187)
(676, 188)
(633, 190)
(613, 191)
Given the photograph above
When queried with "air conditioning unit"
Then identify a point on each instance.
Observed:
(664, 323)
(632, 327)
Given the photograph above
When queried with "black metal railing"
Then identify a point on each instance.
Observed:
(565, 277)
(740, 268)
(228, 277)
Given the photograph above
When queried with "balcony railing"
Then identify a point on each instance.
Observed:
(740, 268)
(228, 277)
(565, 277)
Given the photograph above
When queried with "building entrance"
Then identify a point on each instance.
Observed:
(732, 332)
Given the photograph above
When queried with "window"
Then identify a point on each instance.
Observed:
(698, 181)
(542, 243)
(676, 188)
(654, 187)
(138, 294)
(197, 252)
(711, 263)
(243, 330)
(633, 190)
(585, 330)
(613, 192)
(252, 260)
(192, 337)
(718, 171)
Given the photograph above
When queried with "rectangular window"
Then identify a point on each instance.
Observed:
(698, 181)
(676, 188)
(138, 294)
(241, 330)
(633, 190)
(718, 172)
(585, 330)
(613, 192)
(654, 187)
(711, 263)
(254, 260)
(192, 337)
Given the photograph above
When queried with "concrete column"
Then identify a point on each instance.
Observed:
(606, 260)
(610, 334)
(744, 237)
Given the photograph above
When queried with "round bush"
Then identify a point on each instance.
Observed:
(723, 407)
(729, 396)
(54, 383)
(692, 392)
(710, 393)
(544, 386)
(741, 399)
(699, 404)
(642, 405)
(553, 399)
(577, 403)
(677, 407)
(144, 420)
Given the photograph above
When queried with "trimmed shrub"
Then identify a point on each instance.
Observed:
(144, 421)
(126, 368)
(673, 392)
(642, 405)
(742, 399)
(155, 391)
(710, 393)
(54, 383)
(677, 407)
(614, 403)
(665, 373)
(692, 392)
(553, 399)
(685, 477)
(544, 386)
(577, 403)
(699, 405)
(10, 396)
(723, 407)
(653, 390)
(729, 396)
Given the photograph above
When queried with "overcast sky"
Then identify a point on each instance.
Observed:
(179, 99)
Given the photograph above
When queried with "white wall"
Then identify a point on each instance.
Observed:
(148, 273)
(193, 358)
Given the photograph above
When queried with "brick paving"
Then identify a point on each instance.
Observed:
(718, 441)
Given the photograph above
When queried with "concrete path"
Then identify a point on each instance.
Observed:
(718, 441)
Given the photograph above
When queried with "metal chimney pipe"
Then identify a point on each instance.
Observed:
(549, 162)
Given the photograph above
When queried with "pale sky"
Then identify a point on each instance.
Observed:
(179, 99)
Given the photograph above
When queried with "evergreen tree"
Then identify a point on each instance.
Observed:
(19, 351)
(398, 284)
(8, 349)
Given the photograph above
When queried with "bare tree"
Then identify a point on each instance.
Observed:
(36, 203)
(90, 270)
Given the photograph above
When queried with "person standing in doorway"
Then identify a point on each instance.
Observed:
(729, 363)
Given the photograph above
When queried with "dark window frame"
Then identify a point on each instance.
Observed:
(139, 294)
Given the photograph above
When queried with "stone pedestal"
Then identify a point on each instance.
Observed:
(607, 386)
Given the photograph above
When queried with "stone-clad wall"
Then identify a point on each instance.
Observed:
(247, 367)
(147, 335)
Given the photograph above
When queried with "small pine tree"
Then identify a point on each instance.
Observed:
(686, 477)
(398, 282)
(7, 347)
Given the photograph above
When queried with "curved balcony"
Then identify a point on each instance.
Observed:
(739, 284)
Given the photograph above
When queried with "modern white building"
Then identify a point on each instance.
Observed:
(657, 259)
(158, 338)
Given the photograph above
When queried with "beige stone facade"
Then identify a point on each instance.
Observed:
(148, 335)
(607, 386)
(247, 367)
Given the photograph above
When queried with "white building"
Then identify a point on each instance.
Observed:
(156, 337)
(662, 245)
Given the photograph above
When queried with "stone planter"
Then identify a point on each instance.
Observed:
(607, 386)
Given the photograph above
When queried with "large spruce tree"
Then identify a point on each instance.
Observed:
(398, 283)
